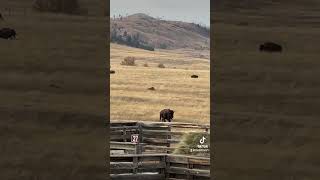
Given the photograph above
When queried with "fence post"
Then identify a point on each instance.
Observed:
(140, 132)
(168, 138)
(190, 166)
(163, 171)
(124, 135)
(138, 148)
(135, 164)
(167, 163)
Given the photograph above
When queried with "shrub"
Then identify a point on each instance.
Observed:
(163, 46)
(134, 40)
(145, 47)
(129, 61)
(161, 65)
(62, 6)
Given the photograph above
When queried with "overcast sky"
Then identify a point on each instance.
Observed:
(197, 11)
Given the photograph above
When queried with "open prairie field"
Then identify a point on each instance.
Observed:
(266, 105)
(174, 88)
(52, 96)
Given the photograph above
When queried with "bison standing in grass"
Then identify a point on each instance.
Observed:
(8, 33)
(166, 114)
(270, 47)
(1, 17)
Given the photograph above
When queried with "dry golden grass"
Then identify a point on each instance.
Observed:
(174, 88)
(266, 105)
(40, 123)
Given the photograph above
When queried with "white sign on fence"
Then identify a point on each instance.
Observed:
(135, 138)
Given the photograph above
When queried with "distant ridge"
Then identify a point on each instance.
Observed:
(157, 33)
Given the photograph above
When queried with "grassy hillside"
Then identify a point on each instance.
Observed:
(52, 97)
(175, 89)
(266, 105)
(162, 33)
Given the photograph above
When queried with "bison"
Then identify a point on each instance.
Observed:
(54, 86)
(270, 47)
(166, 114)
(151, 88)
(8, 33)
(1, 17)
(194, 76)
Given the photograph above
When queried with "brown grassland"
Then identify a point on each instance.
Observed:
(52, 95)
(266, 106)
(130, 98)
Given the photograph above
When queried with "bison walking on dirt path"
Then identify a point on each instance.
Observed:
(270, 47)
(8, 33)
(166, 114)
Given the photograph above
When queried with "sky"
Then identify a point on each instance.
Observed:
(196, 11)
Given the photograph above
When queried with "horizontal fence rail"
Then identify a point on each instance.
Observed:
(159, 166)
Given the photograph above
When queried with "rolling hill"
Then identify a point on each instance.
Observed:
(159, 33)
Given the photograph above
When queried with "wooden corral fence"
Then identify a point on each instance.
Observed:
(154, 137)
(128, 147)
(159, 167)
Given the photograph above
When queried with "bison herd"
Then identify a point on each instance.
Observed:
(167, 114)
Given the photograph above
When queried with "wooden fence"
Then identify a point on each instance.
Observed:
(128, 147)
(159, 167)
(154, 137)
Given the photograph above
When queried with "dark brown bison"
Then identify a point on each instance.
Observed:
(151, 88)
(54, 86)
(270, 47)
(1, 17)
(194, 76)
(8, 33)
(112, 71)
(166, 114)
